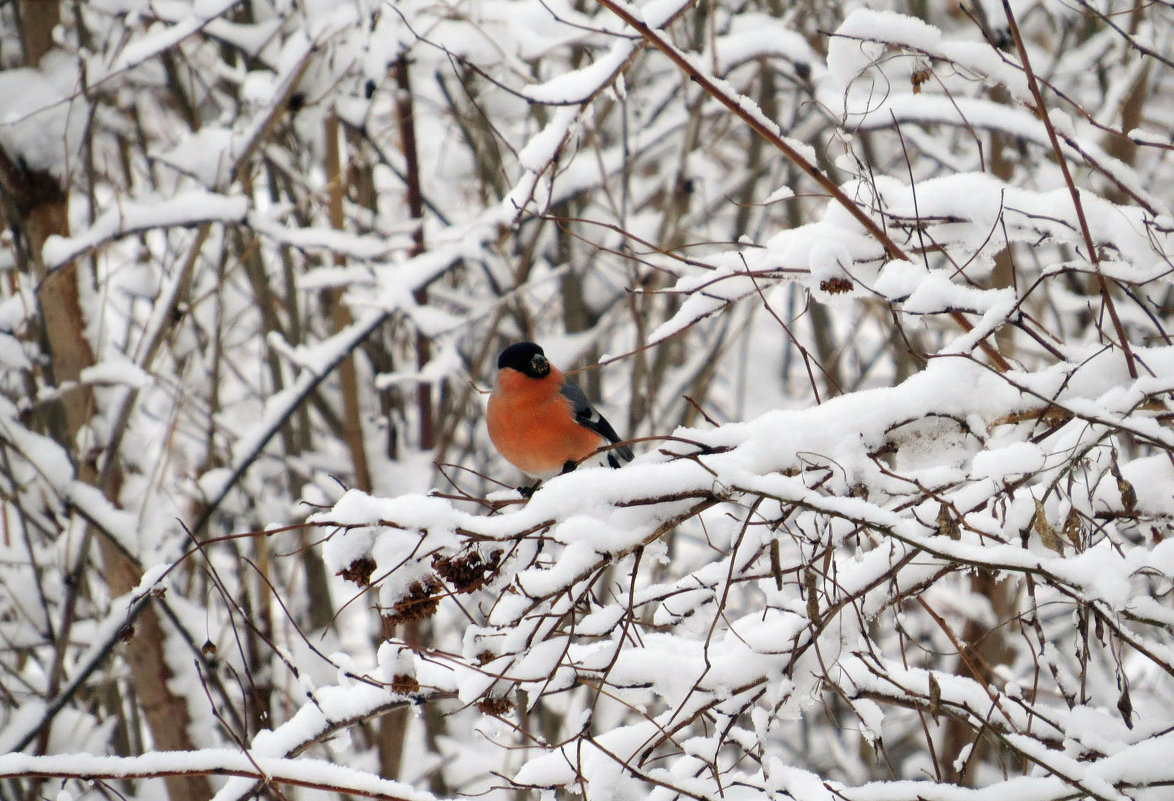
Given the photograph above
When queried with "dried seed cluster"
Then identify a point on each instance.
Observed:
(404, 684)
(836, 286)
(359, 571)
(420, 602)
(491, 705)
(467, 573)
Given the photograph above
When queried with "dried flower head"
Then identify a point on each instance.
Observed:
(404, 684)
(836, 286)
(491, 705)
(467, 573)
(359, 571)
(420, 602)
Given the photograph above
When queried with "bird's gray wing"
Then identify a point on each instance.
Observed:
(588, 417)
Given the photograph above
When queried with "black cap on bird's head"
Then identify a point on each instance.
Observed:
(525, 357)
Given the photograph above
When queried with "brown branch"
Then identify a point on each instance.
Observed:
(1042, 112)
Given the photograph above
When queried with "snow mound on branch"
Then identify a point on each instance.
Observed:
(43, 115)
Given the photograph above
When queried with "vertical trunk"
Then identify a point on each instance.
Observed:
(347, 374)
(405, 116)
(1004, 272)
(165, 712)
(1132, 110)
(38, 18)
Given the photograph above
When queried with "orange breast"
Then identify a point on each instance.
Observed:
(533, 426)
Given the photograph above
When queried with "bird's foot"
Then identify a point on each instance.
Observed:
(568, 466)
(529, 490)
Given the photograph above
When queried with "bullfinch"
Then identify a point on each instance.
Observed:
(540, 422)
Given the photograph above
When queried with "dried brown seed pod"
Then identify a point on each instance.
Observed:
(469, 572)
(359, 571)
(491, 705)
(836, 286)
(420, 602)
(404, 684)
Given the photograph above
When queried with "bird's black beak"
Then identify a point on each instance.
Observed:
(539, 365)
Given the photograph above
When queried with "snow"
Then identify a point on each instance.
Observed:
(856, 46)
(1016, 459)
(752, 36)
(540, 150)
(12, 355)
(782, 193)
(137, 216)
(164, 37)
(42, 116)
(117, 373)
(302, 771)
(330, 240)
(208, 155)
(579, 86)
